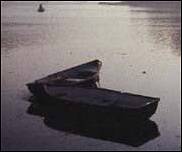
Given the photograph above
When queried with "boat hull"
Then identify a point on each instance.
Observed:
(37, 89)
(102, 103)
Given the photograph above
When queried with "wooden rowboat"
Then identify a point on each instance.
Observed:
(98, 100)
(84, 74)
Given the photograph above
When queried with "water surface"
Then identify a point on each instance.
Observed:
(129, 39)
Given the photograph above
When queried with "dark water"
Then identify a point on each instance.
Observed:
(128, 39)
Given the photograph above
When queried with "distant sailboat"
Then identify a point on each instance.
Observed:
(41, 8)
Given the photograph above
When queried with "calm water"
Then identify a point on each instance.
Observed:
(128, 39)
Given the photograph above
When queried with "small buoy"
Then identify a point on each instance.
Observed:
(144, 72)
(41, 8)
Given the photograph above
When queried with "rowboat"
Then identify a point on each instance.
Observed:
(82, 75)
(104, 102)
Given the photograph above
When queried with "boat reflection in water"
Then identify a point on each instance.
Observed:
(73, 120)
